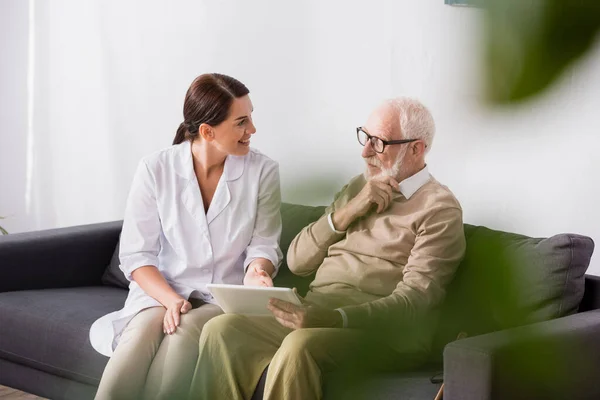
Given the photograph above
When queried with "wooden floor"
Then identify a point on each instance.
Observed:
(7, 393)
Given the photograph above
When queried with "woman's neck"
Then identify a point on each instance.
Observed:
(207, 159)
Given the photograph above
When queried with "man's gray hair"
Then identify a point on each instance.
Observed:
(416, 121)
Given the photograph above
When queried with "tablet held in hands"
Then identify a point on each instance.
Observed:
(249, 300)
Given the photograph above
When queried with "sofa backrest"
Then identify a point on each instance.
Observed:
(505, 279)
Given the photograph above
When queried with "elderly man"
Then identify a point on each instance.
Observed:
(383, 253)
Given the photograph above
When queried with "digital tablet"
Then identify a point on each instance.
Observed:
(251, 300)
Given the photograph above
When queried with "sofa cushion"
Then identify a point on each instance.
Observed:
(48, 329)
(508, 280)
(113, 276)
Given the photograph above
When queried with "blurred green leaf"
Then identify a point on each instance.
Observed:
(530, 43)
(317, 190)
(2, 230)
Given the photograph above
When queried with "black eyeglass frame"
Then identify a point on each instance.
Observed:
(385, 142)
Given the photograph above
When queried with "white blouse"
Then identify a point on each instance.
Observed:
(165, 225)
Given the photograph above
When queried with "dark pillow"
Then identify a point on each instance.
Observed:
(507, 280)
(113, 276)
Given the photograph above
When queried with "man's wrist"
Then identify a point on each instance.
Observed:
(340, 220)
(342, 318)
(333, 226)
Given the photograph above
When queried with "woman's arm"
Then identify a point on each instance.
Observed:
(140, 245)
(155, 285)
(263, 255)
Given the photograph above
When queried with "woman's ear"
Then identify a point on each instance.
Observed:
(207, 133)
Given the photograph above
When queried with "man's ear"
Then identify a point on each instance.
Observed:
(418, 148)
(207, 132)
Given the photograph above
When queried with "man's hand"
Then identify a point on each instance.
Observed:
(304, 316)
(376, 192)
(172, 316)
(257, 276)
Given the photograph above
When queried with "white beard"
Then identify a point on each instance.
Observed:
(392, 172)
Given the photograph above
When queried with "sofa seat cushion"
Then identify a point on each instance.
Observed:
(408, 385)
(49, 329)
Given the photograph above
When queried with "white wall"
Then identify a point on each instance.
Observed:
(111, 76)
(532, 169)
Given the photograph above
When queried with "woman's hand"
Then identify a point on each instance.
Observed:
(257, 276)
(154, 284)
(172, 316)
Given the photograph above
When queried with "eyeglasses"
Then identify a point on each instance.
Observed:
(377, 144)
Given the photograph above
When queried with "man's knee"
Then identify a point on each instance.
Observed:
(301, 340)
(223, 324)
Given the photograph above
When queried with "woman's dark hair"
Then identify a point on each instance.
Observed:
(207, 101)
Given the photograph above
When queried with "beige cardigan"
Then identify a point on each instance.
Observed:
(387, 268)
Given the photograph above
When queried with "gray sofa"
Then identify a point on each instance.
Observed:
(531, 313)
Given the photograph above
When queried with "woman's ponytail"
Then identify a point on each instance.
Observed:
(180, 135)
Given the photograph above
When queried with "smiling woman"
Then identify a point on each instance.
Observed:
(204, 210)
(208, 102)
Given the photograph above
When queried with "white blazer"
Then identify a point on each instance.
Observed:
(165, 225)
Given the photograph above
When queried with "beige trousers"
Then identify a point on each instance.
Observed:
(150, 365)
(235, 349)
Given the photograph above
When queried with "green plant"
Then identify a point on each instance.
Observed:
(2, 230)
(530, 44)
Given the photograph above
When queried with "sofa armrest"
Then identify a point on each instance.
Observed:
(65, 257)
(556, 359)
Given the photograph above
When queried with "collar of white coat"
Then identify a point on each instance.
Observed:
(410, 185)
(233, 169)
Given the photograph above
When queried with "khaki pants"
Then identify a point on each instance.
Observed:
(235, 350)
(150, 365)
